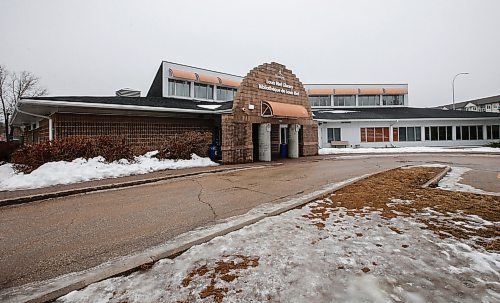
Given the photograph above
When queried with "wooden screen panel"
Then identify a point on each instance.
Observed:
(370, 134)
(395, 134)
(363, 134)
(386, 134)
(379, 135)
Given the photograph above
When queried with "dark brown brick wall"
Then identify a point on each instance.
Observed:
(236, 141)
(138, 131)
(237, 144)
(37, 135)
(308, 140)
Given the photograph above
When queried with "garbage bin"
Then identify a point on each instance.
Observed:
(213, 152)
(283, 150)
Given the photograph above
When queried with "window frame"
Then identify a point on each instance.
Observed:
(316, 100)
(361, 100)
(333, 134)
(400, 98)
(173, 87)
(374, 134)
(226, 90)
(438, 133)
(337, 99)
(208, 87)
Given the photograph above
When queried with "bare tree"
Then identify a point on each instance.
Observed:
(13, 87)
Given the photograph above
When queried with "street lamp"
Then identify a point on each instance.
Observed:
(453, 86)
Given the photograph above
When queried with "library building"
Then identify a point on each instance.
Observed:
(266, 115)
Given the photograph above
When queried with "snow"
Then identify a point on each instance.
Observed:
(452, 182)
(80, 170)
(354, 258)
(417, 149)
(210, 106)
(339, 111)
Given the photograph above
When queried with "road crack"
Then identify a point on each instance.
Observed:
(204, 202)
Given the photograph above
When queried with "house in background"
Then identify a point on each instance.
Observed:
(488, 104)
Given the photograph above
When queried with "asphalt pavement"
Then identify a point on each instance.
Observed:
(48, 238)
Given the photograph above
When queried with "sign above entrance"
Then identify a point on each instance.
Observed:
(279, 87)
(271, 82)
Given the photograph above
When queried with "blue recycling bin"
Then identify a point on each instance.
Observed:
(283, 150)
(213, 152)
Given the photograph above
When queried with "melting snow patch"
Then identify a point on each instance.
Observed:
(351, 259)
(339, 111)
(452, 182)
(395, 150)
(80, 170)
(210, 106)
(395, 202)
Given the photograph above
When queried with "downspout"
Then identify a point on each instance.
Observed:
(391, 133)
(51, 137)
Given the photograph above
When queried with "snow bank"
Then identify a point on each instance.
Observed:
(396, 150)
(353, 259)
(339, 111)
(80, 170)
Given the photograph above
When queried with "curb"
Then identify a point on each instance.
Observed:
(70, 192)
(52, 289)
(434, 181)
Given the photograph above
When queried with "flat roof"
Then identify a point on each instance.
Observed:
(394, 113)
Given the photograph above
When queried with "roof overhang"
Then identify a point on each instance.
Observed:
(284, 110)
(49, 107)
(404, 119)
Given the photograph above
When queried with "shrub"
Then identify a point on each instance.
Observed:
(30, 157)
(494, 144)
(182, 146)
(6, 150)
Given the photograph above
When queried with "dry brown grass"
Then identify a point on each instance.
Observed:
(223, 270)
(377, 192)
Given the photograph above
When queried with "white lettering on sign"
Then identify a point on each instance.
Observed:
(281, 88)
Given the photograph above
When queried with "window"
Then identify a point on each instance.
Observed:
(320, 100)
(369, 100)
(333, 134)
(393, 100)
(179, 88)
(407, 133)
(438, 133)
(225, 93)
(374, 134)
(344, 100)
(493, 132)
(203, 91)
(473, 132)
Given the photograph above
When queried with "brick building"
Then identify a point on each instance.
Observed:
(264, 115)
(250, 117)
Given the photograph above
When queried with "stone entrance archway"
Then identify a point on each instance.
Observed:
(269, 95)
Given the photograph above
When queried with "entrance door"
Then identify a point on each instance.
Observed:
(283, 134)
(255, 141)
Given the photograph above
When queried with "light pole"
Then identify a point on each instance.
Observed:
(453, 86)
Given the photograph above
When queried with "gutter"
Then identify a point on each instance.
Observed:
(39, 116)
(121, 106)
(408, 119)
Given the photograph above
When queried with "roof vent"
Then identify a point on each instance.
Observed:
(128, 92)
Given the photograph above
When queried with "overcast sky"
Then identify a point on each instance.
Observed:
(96, 47)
